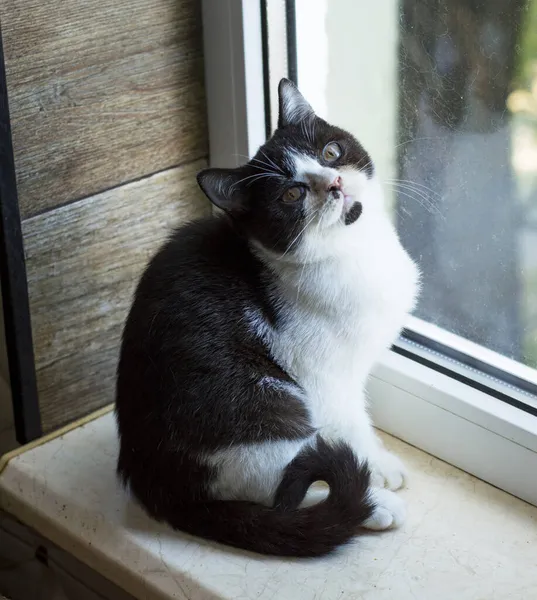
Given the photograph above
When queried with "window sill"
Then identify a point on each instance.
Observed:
(463, 538)
(452, 421)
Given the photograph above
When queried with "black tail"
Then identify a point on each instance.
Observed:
(287, 530)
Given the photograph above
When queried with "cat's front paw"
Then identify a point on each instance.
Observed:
(387, 471)
(389, 511)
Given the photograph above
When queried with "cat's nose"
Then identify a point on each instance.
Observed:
(335, 185)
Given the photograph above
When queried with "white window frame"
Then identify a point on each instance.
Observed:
(430, 410)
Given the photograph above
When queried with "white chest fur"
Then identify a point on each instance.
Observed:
(342, 313)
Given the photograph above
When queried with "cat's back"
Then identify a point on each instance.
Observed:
(205, 261)
(207, 248)
(198, 286)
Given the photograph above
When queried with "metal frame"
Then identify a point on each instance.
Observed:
(497, 372)
(233, 80)
(292, 66)
(266, 68)
(14, 284)
(423, 357)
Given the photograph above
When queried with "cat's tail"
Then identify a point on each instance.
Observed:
(286, 529)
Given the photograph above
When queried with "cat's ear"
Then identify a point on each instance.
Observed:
(292, 104)
(221, 186)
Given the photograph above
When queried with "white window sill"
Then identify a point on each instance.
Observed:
(457, 423)
(463, 538)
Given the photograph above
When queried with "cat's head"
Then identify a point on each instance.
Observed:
(309, 182)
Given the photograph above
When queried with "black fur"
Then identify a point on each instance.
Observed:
(353, 214)
(189, 365)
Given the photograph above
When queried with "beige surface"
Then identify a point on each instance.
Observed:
(101, 92)
(25, 576)
(463, 539)
(83, 261)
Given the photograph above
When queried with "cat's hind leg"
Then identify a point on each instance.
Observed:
(253, 471)
(258, 473)
(354, 426)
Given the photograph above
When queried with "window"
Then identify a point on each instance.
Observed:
(441, 93)
(444, 96)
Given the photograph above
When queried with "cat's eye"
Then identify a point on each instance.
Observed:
(293, 194)
(331, 152)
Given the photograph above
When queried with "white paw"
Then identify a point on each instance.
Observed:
(389, 511)
(387, 470)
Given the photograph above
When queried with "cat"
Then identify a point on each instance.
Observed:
(250, 338)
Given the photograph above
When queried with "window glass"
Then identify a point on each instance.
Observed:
(443, 93)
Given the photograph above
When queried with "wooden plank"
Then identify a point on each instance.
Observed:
(83, 261)
(101, 92)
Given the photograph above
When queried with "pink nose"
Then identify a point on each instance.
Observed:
(335, 185)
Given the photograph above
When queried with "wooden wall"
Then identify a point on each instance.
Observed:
(109, 129)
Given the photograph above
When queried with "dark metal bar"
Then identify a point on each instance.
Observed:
(14, 285)
(471, 362)
(401, 348)
(266, 66)
(290, 14)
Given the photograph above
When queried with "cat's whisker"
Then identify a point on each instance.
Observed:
(402, 213)
(305, 264)
(302, 270)
(242, 156)
(253, 177)
(300, 276)
(272, 162)
(426, 199)
(416, 139)
(308, 131)
(407, 194)
(364, 162)
(303, 128)
(427, 202)
(415, 183)
(264, 164)
(423, 201)
(313, 125)
(264, 175)
(308, 222)
(308, 254)
(420, 192)
(270, 165)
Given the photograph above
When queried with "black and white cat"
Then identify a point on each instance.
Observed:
(249, 342)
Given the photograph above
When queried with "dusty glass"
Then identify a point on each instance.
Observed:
(444, 94)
